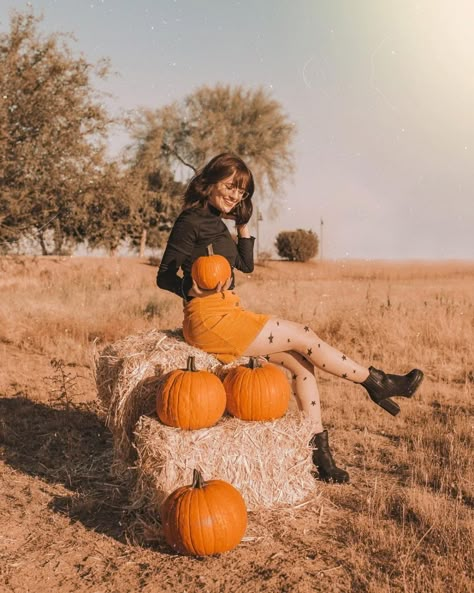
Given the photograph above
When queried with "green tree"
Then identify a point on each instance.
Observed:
(172, 142)
(297, 245)
(155, 196)
(53, 128)
(107, 210)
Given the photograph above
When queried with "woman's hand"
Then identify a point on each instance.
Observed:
(240, 227)
(242, 231)
(195, 291)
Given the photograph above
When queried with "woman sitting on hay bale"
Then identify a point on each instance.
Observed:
(215, 322)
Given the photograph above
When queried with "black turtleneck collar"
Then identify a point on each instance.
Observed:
(213, 210)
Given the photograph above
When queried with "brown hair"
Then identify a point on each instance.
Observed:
(221, 167)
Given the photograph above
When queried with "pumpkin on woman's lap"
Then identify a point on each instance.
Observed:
(210, 270)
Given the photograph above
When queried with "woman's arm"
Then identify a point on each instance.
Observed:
(245, 243)
(179, 247)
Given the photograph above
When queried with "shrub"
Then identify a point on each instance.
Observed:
(297, 245)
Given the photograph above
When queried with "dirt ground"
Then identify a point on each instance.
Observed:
(66, 525)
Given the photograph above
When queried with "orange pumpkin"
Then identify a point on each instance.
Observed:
(208, 270)
(256, 392)
(190, 399)
(204, 518)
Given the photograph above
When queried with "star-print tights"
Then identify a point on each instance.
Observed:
(299, 349)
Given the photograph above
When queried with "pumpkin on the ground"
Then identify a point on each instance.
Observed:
(190, 399)
(256, 392)
(210, 270)
(204, 518)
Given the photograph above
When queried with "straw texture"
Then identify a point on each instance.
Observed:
(128, 374)
(269, 462)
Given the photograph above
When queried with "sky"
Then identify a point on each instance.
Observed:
(381, 94)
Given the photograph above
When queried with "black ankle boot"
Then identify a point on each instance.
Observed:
(322, 459)
(381, 387)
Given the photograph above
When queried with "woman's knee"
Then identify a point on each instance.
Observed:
(293, 361)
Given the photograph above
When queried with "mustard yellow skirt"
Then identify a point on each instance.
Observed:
(218, 325)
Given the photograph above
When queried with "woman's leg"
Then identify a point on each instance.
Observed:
(306, 393)
(303, 383)
(279, 335)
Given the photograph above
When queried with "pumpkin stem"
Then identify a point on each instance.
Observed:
(198, 480)
(253, 363)
(210, 250)
(191, 364)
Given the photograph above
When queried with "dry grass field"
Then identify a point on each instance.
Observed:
(405, 523)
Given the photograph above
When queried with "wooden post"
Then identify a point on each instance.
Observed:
(259, 220)
(143, 243)
(321, 224)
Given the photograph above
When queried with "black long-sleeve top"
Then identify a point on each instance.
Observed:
(193, 231)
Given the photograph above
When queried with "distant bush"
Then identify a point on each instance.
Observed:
(297, 245)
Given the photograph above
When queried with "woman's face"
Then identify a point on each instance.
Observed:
(224, 195)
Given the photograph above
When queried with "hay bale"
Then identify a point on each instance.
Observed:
(269, 462)
(133, 357)
(128, 373)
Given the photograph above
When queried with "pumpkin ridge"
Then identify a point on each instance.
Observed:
(169, 408)
(246, 388)
(210, 400)
(242, 387)
(251, 387)
(194, 385)
(206, 514)
(255, 388)
(203, 401)
(287, 392)
(166, 408)
(174, 510)
(263, 402)
(230, 514)
(274, 388)
(193, 519)
(182, 402)
(188, 513)
(220, 515)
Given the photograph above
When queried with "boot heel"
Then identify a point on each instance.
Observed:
(381, 387)
(389, 406)
(416, 377)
